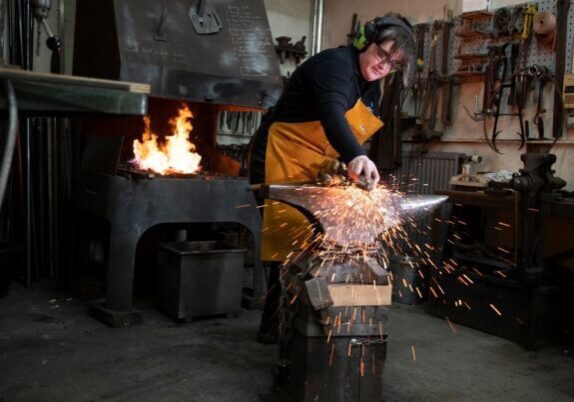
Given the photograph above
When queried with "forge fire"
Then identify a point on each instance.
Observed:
(175, 154)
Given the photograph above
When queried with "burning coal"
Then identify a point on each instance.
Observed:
(175, 155)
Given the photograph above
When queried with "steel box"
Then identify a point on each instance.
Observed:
(200, 278)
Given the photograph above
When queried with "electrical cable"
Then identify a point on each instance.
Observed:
(6, 162)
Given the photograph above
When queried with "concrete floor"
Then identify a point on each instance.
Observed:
(51, 350)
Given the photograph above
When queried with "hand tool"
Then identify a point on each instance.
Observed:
(562, 10)
(41, 10)
(544, 27)
(355, 25)
(543, 77)
(493, 87)
(419, 84)
(446, 89)
(501, 22)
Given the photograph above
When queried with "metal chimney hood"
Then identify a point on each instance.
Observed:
(217, 51)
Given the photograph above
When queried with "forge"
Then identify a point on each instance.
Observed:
(228, 65)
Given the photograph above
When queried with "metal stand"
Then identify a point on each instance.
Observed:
(132, 206)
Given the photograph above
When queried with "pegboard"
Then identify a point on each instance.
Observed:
(536, 55)
(570, 35)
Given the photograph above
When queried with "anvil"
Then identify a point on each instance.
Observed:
(350, 215)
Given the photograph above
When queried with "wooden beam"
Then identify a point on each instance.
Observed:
(360, 295)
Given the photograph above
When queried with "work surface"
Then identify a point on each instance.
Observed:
(44, 94)
(50, 350)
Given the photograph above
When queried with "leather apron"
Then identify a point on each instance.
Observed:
(295, 152)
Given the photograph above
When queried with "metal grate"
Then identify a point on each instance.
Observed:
(425, 174)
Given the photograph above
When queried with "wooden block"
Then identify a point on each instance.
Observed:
(360, 295)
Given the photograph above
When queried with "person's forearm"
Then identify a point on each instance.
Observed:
(341, 136)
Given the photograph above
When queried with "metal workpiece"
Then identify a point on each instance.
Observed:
(349, 215)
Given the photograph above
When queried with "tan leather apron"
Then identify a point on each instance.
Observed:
(295, 152)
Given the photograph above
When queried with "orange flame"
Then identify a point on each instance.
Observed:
(177, 154)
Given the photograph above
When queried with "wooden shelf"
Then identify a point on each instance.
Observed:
(47, 94)
(468, 74)
(476, 15)
(284, 52)
(471, 34)
(498, 141)
(470, 56)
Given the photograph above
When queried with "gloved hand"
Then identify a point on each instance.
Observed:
(332, 173)
(362, 166)
(333, 166)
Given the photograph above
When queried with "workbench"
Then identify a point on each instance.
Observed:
(46, 156)
(483, 284)
(45, 94)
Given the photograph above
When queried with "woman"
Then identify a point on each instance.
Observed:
(327, 110)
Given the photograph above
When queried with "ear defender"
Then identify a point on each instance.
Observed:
(369, 32)
(360, 40)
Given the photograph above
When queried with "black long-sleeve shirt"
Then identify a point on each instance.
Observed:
(323, 88)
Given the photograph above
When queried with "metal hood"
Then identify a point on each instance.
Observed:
(218, 51)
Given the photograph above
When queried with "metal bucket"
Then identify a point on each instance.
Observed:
(200, 278)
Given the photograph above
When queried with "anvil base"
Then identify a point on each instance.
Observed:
(345, 369)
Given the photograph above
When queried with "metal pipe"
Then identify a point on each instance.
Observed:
(50, 194)
(28, 47)
(317, 26)
(3, 13)
(28, 202)
(62, 34)
(6, 163)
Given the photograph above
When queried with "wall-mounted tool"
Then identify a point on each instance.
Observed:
(468, 179)
(161, 31)
(355, 25)
(529, 13)
(204, 18)
(568, 91)
(419, 82)
(426, 122)
(543, 76)
(41, 10)
(3, 12)
(562, 10)
(447, 89)
(286, 49)
(544, 27)
(501, 22)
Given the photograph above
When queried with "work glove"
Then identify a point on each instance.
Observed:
(364, 171)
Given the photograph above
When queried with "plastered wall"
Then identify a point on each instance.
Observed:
(338, 14)
(465, 135)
